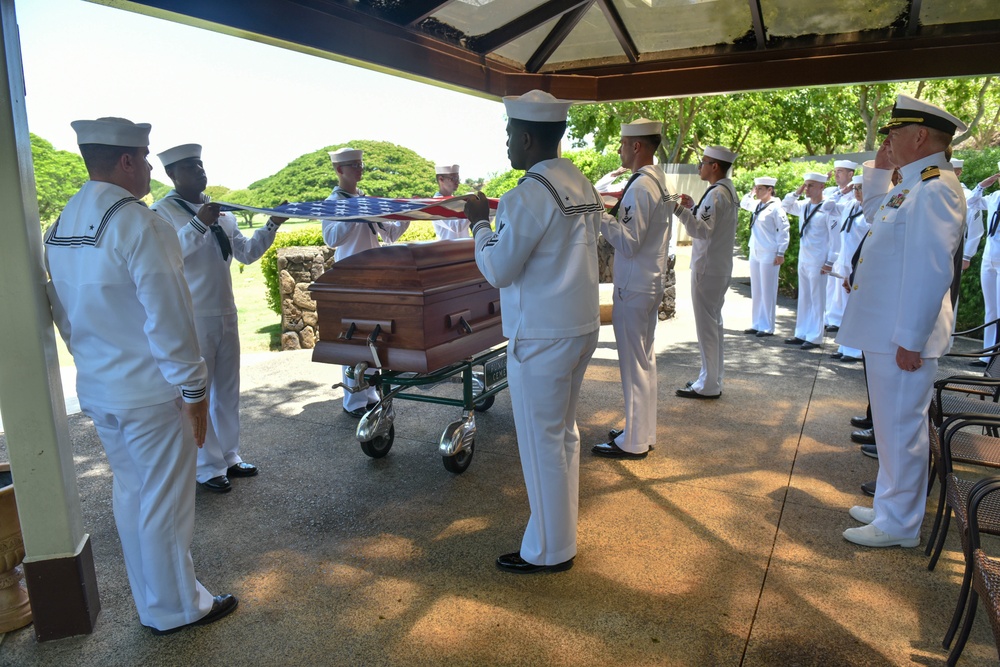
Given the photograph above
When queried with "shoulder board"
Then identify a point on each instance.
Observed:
(929, 172)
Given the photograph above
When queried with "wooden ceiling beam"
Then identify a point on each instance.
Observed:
(559, 33)
(620, 31)
(522, 25)
(757, 17)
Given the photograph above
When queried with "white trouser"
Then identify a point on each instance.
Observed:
(707, 296)
(989, 276)
(358, 399)
(763, 294)
(900, 402)
(634, 318)
(836, 301)
(151, 451)
(219, 340)
(544, 378)
(843, 349)
(811, 301)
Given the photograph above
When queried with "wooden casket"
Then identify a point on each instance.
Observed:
(422, 306)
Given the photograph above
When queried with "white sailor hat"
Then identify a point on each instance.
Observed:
(815, 176)
(956, 163)
(537, 106)
(845, 164)
(720, 153)
(765, 180)
(112, 132)
(910, 111)
(178, 153)
(345, 154)
(641, 127)
(856, 180)
(446, 169)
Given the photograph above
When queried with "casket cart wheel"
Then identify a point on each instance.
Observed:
(486, 403)
(460, 461)
(380, 445)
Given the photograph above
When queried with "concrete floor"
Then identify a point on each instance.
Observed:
(723, 547)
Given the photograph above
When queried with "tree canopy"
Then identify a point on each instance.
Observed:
(390, 171)
(58, 175)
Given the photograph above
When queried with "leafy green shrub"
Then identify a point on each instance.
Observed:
(419, 230)
(978, 166)
(269, 262)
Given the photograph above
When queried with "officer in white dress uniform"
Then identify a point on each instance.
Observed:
(447, 180)
(123, 308)
(712, 226)
(818, 230)
(843, 195)
(209, 242)
(350, 238)
(989, 273)
(640, 235)
(543, 257)
(900, 310)
(768, 243)
(853, 228)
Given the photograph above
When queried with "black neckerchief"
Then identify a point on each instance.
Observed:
(809, 217)
(710, 188)
(760, 207)
(852, 216)
(218, 232)
(994, 221)
(614, 209)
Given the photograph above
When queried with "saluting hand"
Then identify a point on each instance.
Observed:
(989, 181)
(197, 415)
(209, 213)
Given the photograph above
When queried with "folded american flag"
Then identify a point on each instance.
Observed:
(367, 209)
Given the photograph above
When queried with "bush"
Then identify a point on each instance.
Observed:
(978, 166)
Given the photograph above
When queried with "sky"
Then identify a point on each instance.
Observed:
(253, 107)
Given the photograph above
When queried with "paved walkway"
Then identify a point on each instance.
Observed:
(723, 547)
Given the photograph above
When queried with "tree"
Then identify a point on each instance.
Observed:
(246, 198)
(58, 176)
(158, 190)
(390, 171)
(217, 192)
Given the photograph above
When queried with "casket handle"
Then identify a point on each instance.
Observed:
(456, 319)
(366, 326)
(466, 326)
(494, 307)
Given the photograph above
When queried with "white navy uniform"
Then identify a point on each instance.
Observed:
(451, 228)
(640, 236)
(768, 241)
(989, 272)
(712, 226)
(543, 257)
(816, 247)
(853, 227)
(211, 284)
(120, 301)
(900, 297)
(836, 296)
(350, 238)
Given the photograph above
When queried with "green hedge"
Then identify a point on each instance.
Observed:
(971, 310)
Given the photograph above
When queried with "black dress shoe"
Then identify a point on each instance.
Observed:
(809, 346)
(358, 412)
(691, 393)
(764, 334)
(870, 450)
(978, 363)
(610, 450)
(868, 488)
(832, 328)
(861, 421)
(836, 355)
(218, 484)
(847, 359)
(864, 436)
(750, 331)
(615, 432)
(687, 385)
(514, 563)
(794, 341)
(242, 469)
(222, 605)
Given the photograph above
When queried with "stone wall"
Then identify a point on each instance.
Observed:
(606, 262)
(298, 266)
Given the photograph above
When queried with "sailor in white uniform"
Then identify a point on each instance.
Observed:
(843, 195)
(447, 180)
(768, 243)
(989, 273)
(817, 225)
(123, 308)
(853, 228)
(640, 235)
(712, 226)
(209, 242)
(543, 257)
(900, 311)
(350, 238)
